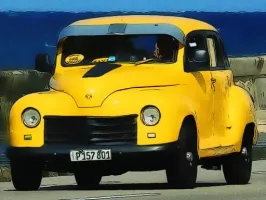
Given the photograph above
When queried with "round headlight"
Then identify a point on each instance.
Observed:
(31, 117)
(150, 115)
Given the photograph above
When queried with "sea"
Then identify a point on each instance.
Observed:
(24, 34)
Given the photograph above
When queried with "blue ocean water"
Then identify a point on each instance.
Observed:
(24, 34)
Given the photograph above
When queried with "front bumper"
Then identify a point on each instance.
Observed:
(127, 157)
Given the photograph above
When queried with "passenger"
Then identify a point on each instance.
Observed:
(164, 48)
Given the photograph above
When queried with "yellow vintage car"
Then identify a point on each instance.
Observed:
(134, 93)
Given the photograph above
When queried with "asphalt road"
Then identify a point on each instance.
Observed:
(150, 185)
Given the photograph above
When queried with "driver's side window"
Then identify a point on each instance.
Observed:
(194, 43)
(196, 53)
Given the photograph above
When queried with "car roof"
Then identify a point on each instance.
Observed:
(185, 24)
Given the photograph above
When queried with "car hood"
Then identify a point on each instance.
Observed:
(90, 86)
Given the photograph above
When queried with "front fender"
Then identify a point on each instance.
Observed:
(52, 103)
(173, 105)
(241, 112)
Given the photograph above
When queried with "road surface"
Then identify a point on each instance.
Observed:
(149, 186)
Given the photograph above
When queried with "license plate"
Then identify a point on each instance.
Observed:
(90, 155)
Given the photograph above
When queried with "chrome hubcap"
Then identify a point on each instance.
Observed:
(189, 156)
(244, 151)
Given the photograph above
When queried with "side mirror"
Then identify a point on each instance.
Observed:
(43, 63)
(198, 61)
(200, 56)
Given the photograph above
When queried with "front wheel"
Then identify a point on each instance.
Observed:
(237, 168)
(182, 172)
(25, 175)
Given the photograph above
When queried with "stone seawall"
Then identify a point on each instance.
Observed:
(249, 73)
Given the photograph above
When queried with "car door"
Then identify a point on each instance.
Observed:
(202, 90)
(221, 78)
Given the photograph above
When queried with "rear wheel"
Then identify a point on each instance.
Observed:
(88, 179)
(182, 172)
(237, 167)
(26, 176)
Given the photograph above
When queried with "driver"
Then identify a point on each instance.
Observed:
(164, 48)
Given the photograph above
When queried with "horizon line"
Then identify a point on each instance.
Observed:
(126, 11)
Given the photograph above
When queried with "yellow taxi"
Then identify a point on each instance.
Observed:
(134, 93)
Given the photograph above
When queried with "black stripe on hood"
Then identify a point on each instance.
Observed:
(100, 69)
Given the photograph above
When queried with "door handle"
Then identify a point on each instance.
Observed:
(213, 80)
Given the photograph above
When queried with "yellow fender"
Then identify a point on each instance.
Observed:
(241, 113)
(173, 105)
(52, 103)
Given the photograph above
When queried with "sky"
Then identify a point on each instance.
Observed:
(134, 5)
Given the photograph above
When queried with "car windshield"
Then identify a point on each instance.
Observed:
(86, 50)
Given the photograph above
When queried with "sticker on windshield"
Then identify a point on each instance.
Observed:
(74, 59)
(100, 60)
(193, 44)
(111, 58)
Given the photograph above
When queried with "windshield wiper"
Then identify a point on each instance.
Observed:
(153, 59)
(148, 60)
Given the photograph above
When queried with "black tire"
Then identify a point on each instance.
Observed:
(26, 176)
(87, 180)
(237, 167)
(182, 172)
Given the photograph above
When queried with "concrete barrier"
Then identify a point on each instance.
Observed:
(14, 85)
(5, 174)
(248, 66)
(249, 73)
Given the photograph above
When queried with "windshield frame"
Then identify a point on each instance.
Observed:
(90, 62)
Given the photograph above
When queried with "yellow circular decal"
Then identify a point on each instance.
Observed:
(74, 59)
